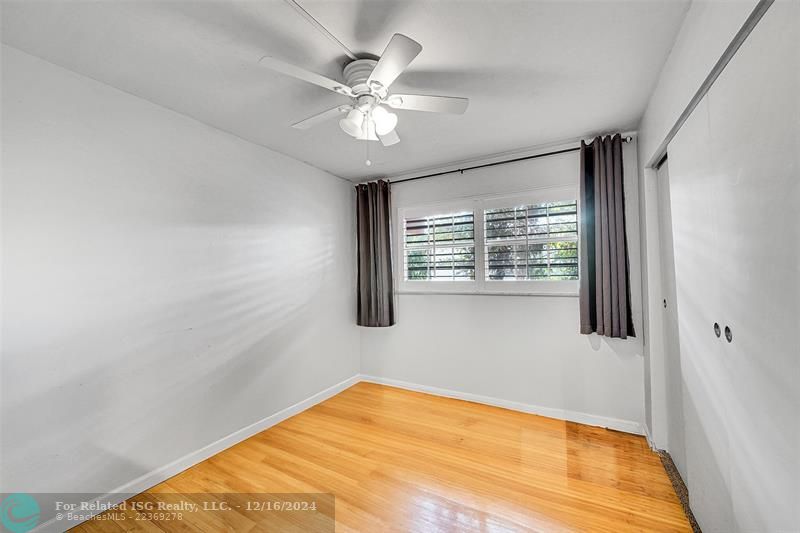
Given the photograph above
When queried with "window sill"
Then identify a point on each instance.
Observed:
(491, 293)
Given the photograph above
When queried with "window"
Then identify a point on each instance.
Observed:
(532, 242)
(440, 247)
(522, 244)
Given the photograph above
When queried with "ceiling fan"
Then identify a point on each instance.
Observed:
(367, 83)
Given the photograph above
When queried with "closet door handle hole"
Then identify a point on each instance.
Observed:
(728, 334)
(717, 331)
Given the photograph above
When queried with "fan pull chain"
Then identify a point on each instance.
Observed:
(367, 123)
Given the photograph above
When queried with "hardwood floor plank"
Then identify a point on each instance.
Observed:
(398, 460)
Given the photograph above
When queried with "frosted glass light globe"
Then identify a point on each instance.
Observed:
(384, 121)
(351, 124)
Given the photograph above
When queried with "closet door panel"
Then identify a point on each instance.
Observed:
(754, 125)
(706, 390)
(672, 367)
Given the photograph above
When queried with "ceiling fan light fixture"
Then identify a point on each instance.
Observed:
(384, 121)
(367, 83)
(352, 123)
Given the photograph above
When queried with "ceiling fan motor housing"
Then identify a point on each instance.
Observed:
(356, 74)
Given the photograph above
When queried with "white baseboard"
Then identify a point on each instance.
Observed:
(649, 438)
(627, 426)
(177, 466)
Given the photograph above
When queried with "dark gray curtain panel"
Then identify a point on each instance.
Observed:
(375, 282)
(605, 298)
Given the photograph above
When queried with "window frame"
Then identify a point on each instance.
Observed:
(477, 205)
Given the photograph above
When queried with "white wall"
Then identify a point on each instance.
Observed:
(164, 284)
(707, 30)
(523, 349)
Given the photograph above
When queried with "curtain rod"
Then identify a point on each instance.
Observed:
(515, 160)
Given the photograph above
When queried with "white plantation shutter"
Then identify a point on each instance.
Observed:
(440, 247)
(532, 242)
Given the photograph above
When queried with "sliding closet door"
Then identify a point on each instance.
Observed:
(754, 124)
(707, 389)
(669, 315)
(735, 199)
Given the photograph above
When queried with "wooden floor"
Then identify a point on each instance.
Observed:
(397, 460)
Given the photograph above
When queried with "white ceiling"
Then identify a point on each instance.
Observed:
(535, 72)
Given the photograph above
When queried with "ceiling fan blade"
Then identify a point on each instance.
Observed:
(305, 75)
(322, 117)
(432, 104)
(390, 138)
(399, 53)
